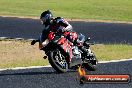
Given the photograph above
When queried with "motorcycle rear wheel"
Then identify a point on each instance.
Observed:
(91, 66)
(57, 61)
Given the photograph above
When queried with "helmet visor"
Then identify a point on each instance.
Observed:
(45, 18)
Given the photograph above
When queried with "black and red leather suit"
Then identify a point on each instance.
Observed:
(58, 25)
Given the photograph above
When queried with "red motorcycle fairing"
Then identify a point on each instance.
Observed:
(51, 36)
(67, 46)
(72, 35)
(64, 42)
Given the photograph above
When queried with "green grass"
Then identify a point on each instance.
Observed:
(20, 53)
(81, 9)
(112, 51)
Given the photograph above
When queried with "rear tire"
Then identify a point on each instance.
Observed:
(58, 61)
(91, 66)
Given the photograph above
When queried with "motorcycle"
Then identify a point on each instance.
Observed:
(64, 55)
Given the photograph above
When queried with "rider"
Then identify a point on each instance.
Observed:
(57, 24)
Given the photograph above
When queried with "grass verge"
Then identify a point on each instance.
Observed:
(14, 53)
(112, 51)
(81, 9)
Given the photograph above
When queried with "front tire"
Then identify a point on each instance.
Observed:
(58, 61)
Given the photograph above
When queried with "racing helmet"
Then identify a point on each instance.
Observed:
(46, 16)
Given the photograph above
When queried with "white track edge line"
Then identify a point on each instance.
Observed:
(16, 38)
(30, 67)
(115, 60)
(22, 68)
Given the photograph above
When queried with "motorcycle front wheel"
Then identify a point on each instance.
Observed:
(58, 61)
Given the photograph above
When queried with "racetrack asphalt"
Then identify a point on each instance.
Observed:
(48, 78)
(100, 32)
